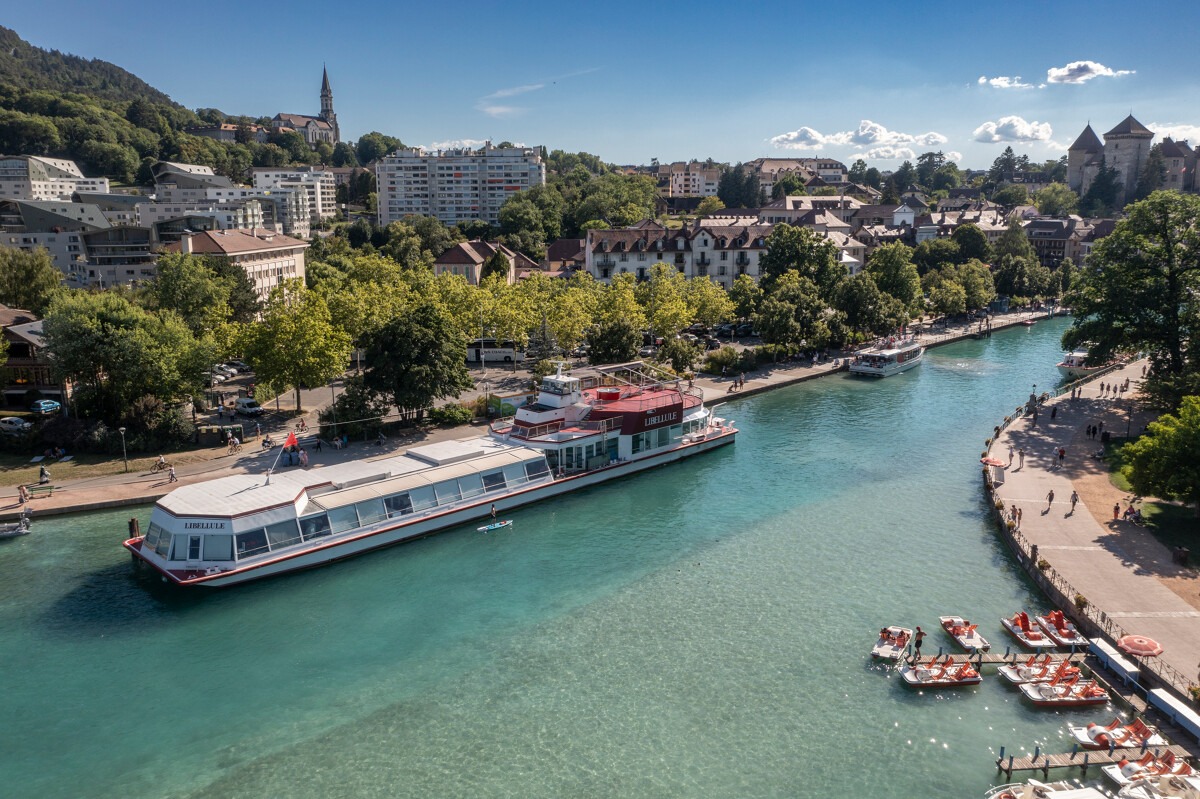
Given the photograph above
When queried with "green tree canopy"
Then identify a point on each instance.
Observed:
(935, 253)
(895, 274)
(1140, 288)
(1057, 199)
(1166, 461)
(808, 252)
(972, 243)
(745, 294)
(28, 280)
(418, 358)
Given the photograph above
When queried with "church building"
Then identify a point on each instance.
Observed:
(321, 128)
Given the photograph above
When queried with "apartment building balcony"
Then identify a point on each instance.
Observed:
(703, 260)
(742, 259)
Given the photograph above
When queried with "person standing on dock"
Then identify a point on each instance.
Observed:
(918, 637)
(1012, 451)
(1021, 456)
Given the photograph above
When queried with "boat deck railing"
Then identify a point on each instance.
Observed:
(507, 427)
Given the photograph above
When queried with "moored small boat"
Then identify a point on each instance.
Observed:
(1029, 636)
(1060, 629)
(940, 673)
(1068, 693)
(964, 633)
(1073, 365)
(1147, 767)
(1116, 734)
(1037, 669)
(18, 528)
(1035, 789)
(892, 643)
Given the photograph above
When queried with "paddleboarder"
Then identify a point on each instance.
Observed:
(493, 513)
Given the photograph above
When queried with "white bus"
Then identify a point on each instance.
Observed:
(490, 350)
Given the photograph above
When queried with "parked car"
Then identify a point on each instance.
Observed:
(725, 330)
(222, 369)
(646, 352)
(14, 425)
(581, 351)
(216, 377)
(239, 366)
(745, 329)
(698, 329)
(247, 406)
(711, 343)
(46, 406)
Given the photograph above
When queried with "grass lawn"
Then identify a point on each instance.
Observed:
(1174, 525)
(16, 469)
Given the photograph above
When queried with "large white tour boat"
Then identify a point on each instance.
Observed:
(888, 357)
(578, 432)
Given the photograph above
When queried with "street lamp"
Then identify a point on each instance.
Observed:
(124, 454)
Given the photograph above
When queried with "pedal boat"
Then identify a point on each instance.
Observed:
(964, 633)
(1037, 669)
(1148, 767)
(1116, 734)
(892, 643)
(941, 674)
(1067, 693)
(1027, 634)
(1060, 629)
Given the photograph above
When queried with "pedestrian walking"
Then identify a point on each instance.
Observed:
(1012, 451)
(1021, 458)
(1020, 515)
(1062, 456)
(171, 478)
(1049, 500)
(1116, 511)
(1100, 428)
(1143, 370)
(1074, 500)
(303, 458)
(22, 494)
(1013, 513)
(317, 446)
(1089, 433)
(1053, 411)
(257, 430)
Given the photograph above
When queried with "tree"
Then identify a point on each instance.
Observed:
(1140, 288)
(663, 300)
(344, 155)
(1057, 199)
(904, 177)
(858, 172)
(613, 341)
(808, 308)
(976, 279)
(1153, 174)
(806, 251)
(873, 178)
(28, 280)
(972, 243)
(776, 322)
(865, 308)
(745, 294)
(498, 265)
(948, 298)
(418, 358)
(186, 285)
(927, 165)
(895, 274)
(934, 254)
(709, 205)
(788, 184)
(295, 343)
(1101, 197)
(709, 304)
(1020, 276)
(1003, 168)
(1013, 241)
(375, 145)
(1010, 195)
(1166, 461)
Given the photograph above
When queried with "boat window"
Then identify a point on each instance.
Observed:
(676, 432)
(180, 549)
(422, 498)
(251, 542)
(494, 481)
(447, 492)
(641, 441)
(152, 536)
(164, 544)
(316, 526)
(370, 511)
(664, 436)
(283, 534)
(470, 485)
(218, 547)
(343, 519)
(536, 469)
(194, 547)
(398, 505)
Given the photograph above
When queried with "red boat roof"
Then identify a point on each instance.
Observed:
(631, 399)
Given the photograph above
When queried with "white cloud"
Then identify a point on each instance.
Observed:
(1013, 128)
(499, 111)
(515, 90)
(1082, 72)
(868, 134)
(887, 152)
(1172, 130)
(1004, 82)
(953, 155)
(495, 110)
(457, 144)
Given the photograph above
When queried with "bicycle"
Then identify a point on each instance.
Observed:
(160, 466)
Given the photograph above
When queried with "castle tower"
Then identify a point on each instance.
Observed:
(327, 113)
(1085, 149)
(1126, 149)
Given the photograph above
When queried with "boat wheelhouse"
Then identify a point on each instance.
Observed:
(1074, 365)
(577, 432)
(888, 357)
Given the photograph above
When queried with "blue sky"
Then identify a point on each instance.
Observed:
(631, 81)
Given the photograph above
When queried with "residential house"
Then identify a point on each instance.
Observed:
(268, 258)
(468, 258)
(793, 208)
(27, 371)
(228, 132)
(564, 255)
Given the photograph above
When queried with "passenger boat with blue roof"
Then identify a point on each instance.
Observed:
(578, 432)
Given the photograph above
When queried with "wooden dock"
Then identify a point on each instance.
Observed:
(1077, 758)
(1007, 658)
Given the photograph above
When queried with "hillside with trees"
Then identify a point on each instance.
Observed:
(29, 67)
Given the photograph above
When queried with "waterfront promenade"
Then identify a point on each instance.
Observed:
(1119, 567)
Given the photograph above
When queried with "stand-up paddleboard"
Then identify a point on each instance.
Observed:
(487, 528)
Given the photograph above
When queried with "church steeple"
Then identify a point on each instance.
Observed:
(327, 113)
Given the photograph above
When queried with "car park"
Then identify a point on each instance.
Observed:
(216, 377)
(45, 406)
(745, 329)
(14, 425)
(711, 343)
(239, 365)
(222, 369)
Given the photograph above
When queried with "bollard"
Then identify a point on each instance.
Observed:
(1112, 746)
(1037, 751)
(1074, 751)
(1006, 652)
(1085, 761)
(1010, 764)
(1001, 758)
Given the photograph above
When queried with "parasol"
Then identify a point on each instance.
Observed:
(990, 461)
(1139, 645)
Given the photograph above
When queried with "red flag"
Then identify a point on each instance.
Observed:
(291, 441)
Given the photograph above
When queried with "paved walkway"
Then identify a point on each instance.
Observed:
(1115, 564)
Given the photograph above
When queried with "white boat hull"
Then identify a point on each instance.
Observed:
(387, 533)
(888, 370)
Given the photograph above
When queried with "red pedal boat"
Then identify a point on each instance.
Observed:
(940, 673)
(1060, 629)
(1067, 693)
(1118, 734)
(965, 633)
(1028, 634)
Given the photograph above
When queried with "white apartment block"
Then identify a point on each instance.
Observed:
(689, 179)
(268, 258)
(455, 185)
(320, 185)
(228, 215)
(31, 177)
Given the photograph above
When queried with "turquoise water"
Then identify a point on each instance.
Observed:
(700, 630)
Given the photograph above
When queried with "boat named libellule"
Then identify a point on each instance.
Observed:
(889, 356)
(577, 432)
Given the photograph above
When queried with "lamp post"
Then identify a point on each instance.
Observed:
(124, 454)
